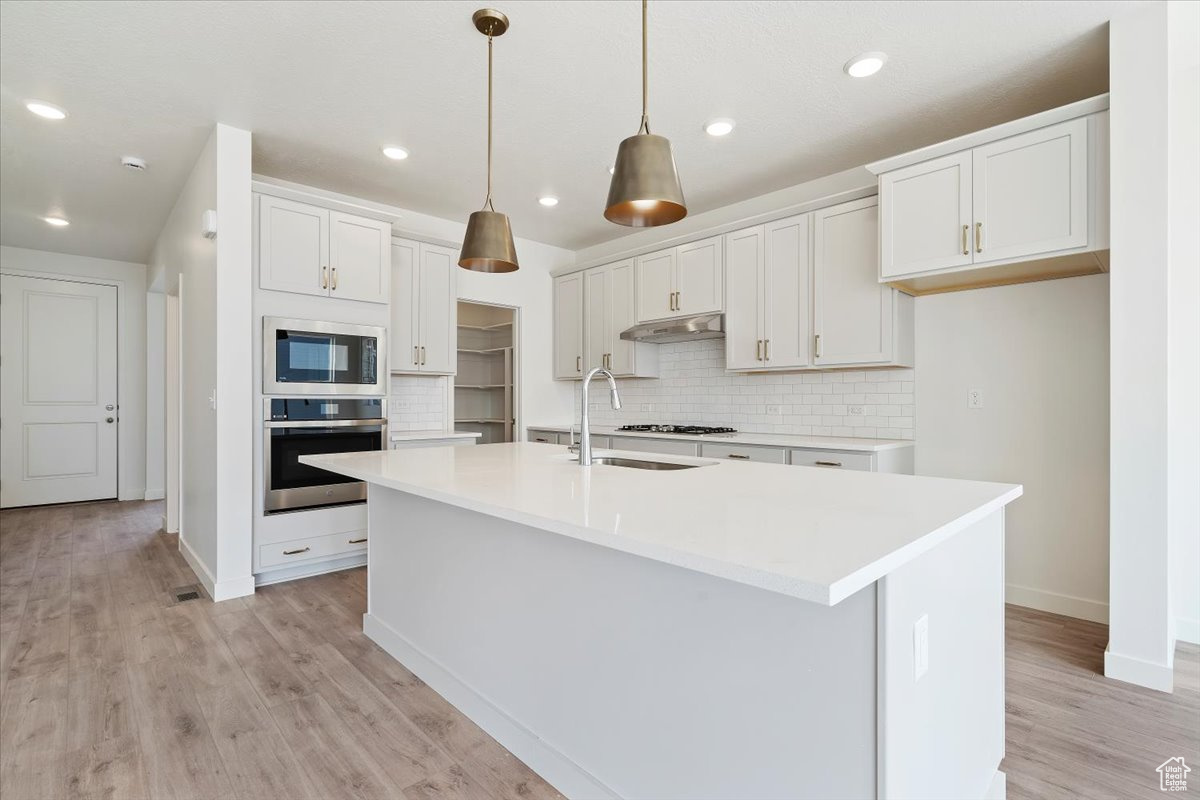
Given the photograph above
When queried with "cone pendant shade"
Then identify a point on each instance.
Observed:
(645, 188)
(488, 245)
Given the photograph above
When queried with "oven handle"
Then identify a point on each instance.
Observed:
(326, 423)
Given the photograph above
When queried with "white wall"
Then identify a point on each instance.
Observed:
(212, 279)
(1039, 354)
(1141, 645)
(130, 280)
(156, 408)
(1183, 364)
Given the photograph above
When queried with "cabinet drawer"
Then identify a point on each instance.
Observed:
(741, 452)
(834, 459)
(546, 437)
(666, 446)
(333, 544)
(413, 444)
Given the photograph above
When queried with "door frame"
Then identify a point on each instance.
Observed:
(123, 430)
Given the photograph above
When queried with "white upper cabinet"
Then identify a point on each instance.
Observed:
(926, 216)
(745, 291)
(609, 298)
(305, 249)
(293, 241)
(1031, 193)
(597, 317)
(681, 282)
(568, 326)
(786, 299)
(854, 317)
(359, 261)
(424, 308)
(1026, 200)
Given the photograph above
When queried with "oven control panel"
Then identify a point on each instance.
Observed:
(323, 408)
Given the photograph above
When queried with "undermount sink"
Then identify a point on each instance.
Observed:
(637, 463)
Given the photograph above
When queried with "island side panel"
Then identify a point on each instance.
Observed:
(611, 674)
(942, 735)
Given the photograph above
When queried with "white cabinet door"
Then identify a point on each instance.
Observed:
(787, 270)
(438, 313)
(623, 358)
(597, 298)
(568, 326)
(1031, 193)
(293, 243)
(852, 311)
(700, 277)
(745, 295)
(404, 355)
(926, 219)
(656, 285)
(359, 258)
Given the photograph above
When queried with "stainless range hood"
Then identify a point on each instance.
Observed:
(705, 326)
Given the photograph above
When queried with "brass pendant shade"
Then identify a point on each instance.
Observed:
(645, 189)
(488, 243)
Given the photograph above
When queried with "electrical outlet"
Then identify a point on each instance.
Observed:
(855, 410)
(920, 647)
(647, 406)
(400, 404)
(773, 410)
(974, 398)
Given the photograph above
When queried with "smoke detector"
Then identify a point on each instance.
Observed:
(135, 164)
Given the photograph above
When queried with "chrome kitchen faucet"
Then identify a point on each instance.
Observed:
(585, 429)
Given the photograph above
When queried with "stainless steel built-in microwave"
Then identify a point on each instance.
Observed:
(304, 357)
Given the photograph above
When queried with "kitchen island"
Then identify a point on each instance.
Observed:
(729, 629)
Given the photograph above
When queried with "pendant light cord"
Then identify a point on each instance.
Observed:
(645, 126)
(487, 203)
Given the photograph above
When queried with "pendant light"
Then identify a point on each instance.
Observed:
(645, 187)
(488, 244)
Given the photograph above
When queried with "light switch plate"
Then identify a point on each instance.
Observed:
(974, 398)
(920, 647)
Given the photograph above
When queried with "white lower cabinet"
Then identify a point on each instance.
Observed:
(833, 459)
(334, 544)
(413, 444)
(743, 452)
(672, 447)
(544, 437)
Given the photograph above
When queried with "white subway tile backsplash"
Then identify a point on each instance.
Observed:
(417, 403)
(693, 388)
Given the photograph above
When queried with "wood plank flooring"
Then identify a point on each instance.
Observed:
(109, 688)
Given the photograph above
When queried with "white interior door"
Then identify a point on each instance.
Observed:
(58, 398)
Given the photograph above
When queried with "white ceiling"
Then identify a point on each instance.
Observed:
(323, 86)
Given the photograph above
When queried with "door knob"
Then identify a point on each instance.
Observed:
(108, 407)
(108, 419)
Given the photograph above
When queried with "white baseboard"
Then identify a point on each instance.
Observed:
(218, 591)
(998, 788)
(155, 494)
(560, 771)
(309, 570)
(1139, 672)
(1187, 630)
(1065, 604)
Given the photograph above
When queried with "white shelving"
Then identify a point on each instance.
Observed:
(484, 394)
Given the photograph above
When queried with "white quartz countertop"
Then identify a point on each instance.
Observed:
(763, 439)
(413, 436)
(811, 533)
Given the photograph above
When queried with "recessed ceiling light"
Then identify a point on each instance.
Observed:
(57, 222)
(46, 110)
(134, 163)
(549, 201)
(719, 127)
(395, 153)
(865, 65)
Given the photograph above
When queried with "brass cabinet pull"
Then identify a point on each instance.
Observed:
(540, 439)
(818, 345)
(356, 541)
(766, 349)
(422, 355)
(579, 363)
(416, 354)
(737, 455)
(324, 277)
(978, 237)
(333, 278)
(758, 350)
(966, 249)
(294, 552)
(828, 463)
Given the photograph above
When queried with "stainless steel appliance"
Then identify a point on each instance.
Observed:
(692, 430)
(688, 329)
(303, 356)
(301, 426)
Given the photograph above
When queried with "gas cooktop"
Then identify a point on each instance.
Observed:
(695, 430)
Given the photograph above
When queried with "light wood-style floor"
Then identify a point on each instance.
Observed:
(109, 688)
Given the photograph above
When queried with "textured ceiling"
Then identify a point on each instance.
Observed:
(324, 85)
